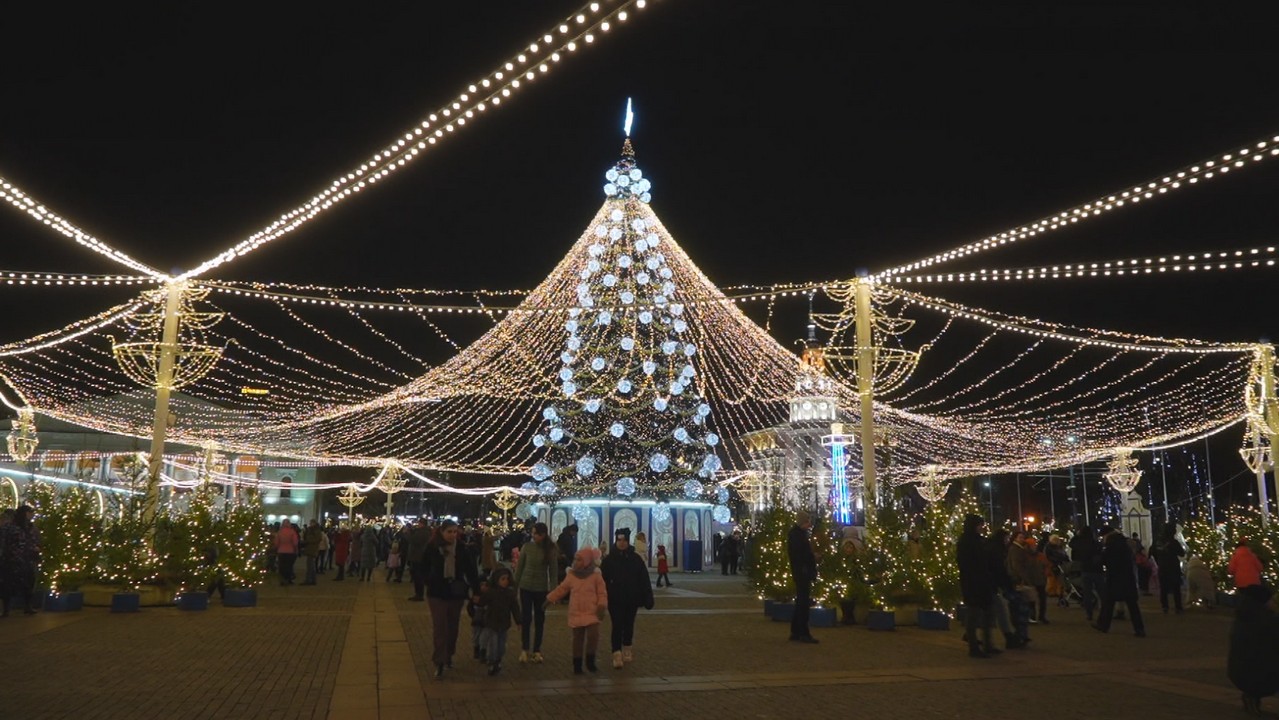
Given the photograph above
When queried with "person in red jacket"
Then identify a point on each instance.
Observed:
(342, 550)
(1245, 566)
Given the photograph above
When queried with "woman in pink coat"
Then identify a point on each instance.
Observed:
(587, 603)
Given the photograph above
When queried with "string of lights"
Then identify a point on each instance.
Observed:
(1256, 257)
(1216, 166)
(559, 43)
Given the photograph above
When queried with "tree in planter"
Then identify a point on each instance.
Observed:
(935, 573)
(127, 560)
(190, 535)
(70, 536)
(770, 568)
(242, 540)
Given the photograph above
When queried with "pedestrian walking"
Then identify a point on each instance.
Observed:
(536, 571)
(1086, 550)
(663, 567)
(368, 552)
(19, 560)
(1245, 566)
(1253, 662)
(587, 602)
(286, 548)
(451, 578)
(419, 539)
(501, 608)
(1121, 583)
(803, 569)
(629, 589)
(311, 550)
(341, 551)
(1167, 554)
(977, 586)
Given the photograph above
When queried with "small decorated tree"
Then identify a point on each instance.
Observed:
(242, 540)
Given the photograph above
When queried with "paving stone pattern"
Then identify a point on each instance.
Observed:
(354, 650)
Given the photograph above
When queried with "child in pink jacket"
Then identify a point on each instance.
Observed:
(587, 603)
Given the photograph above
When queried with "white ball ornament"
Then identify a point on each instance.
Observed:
(547, 487)
(597, 364)
(611, 175)
(661, 512)
(616, 216)
(721, 495)
(624, 261)
(541, 471)
(539, 440)
(635, 174)
(659, 462)
(721, 514)
(600, 231)
(652, 239)
(712, 439)
(615, 234)
(645, 317)
(550, 414)
(646, 198)
(680, 326)
(641, 278)
(557, 434)
(581, 513)
(669, 347)
(649, 367)
(610, 280)
(617, 430)
(623, 181)
(626, 486)
(569, 389)
(627, 297)
(566, 374)
(585, 466)
(610, 189)
(660, 404)
(628, 344)
(624, 386)
(693, 489)
(638, 225)
(593, 405)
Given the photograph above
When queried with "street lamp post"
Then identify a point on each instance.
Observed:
(990, 494)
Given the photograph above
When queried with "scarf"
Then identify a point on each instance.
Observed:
(449, 551)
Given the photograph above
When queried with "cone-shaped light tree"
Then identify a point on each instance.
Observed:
(630, 418)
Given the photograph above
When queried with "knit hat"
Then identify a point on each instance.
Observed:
(622, 534)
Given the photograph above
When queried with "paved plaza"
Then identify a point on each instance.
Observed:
(351, 651)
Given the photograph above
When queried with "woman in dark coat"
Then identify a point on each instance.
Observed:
(450, 580)
(975, 584)
(1121, 583)
(1168, 553)
(1253, 663)
(626, 577)
(19, 559)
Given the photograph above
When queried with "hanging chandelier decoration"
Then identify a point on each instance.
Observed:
(1256, 451)
(350, 497)
(193, 358)
(1122, 472)
(22, 438)
(931, 486)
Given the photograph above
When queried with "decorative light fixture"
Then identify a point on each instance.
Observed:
(931, 487)
(1122, 472)
(23, 438)
(350, 497)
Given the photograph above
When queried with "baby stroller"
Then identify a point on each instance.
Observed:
(1071, 584)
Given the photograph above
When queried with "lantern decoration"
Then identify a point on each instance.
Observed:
(22, 438)
(1122, 472)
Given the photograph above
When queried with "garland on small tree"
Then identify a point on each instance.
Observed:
(1215, 543)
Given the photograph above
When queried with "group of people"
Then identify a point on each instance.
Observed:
(356, 549)
(445, 575)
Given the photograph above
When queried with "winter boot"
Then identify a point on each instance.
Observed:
(577, 666)
(628, 653)
(617, 659)
(590, 663)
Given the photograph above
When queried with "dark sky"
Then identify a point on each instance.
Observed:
(786, 142)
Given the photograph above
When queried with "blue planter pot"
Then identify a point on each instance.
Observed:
(881, 620)
(783, 612)
(193, 601)
(768, 607)
(822, 617)
(244, 597)
(932, 620)
(64, 602)
(126, 602)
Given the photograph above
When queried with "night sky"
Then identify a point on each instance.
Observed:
(786, 142)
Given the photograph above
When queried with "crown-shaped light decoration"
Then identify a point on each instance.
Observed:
(1122, 472)
(931, 487)
(1256, 451)
(350, 497)
(23, 438)
(393, 479)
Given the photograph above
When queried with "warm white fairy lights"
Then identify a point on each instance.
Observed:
(530, 63)
(1214, 260)
(17, 198)
(1191, 175)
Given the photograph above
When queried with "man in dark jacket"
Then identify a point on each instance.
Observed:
(629, 588)
(803, 570)
(975, 583)
(567, 544)
(418, 539)
(1085, 550)
(1121, 582)
(1168, 554)
(1253, 662)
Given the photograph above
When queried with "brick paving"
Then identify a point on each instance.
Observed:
(360, 650)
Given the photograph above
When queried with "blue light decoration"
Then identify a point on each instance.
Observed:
(617, 430)
(721, 514)
(581, 512)
(659, 462)
(693, 489)
(839, 475)
(661, 512)
(547, 487)
(626, 486)
(586, 466)
(541, 471)
(721, 495)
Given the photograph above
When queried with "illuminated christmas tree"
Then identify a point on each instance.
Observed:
(631, 418)
(242, 541)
